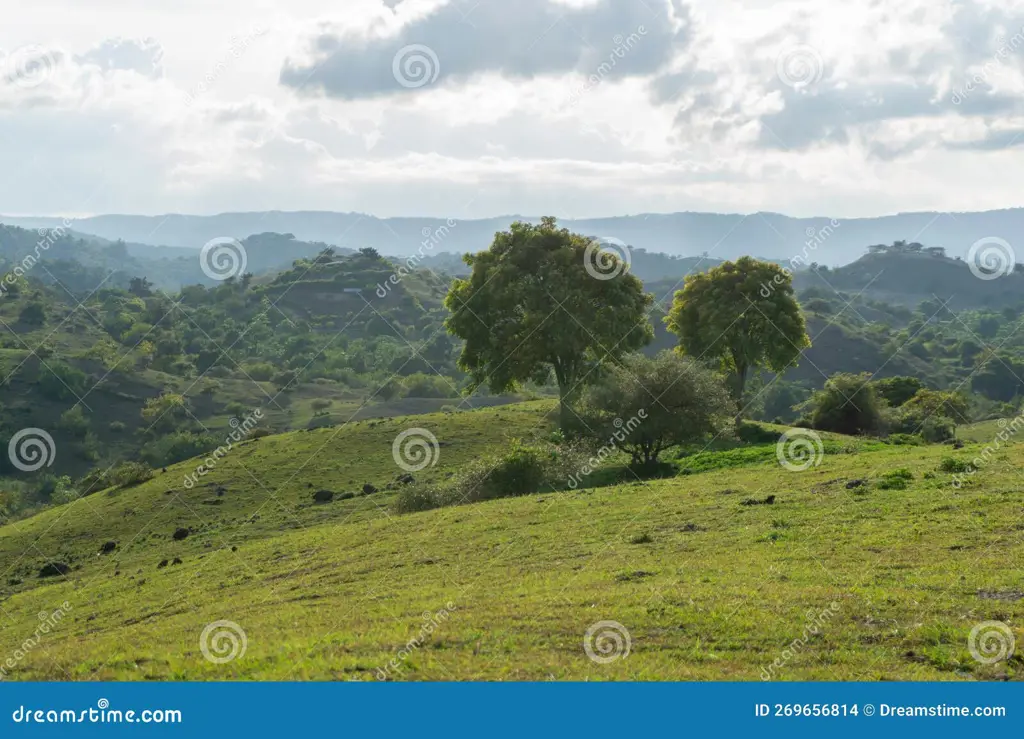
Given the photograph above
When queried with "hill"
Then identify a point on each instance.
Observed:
(889, 578)
(722, 236)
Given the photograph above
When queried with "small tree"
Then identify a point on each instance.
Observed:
(847, 405)
(650, 405)
(742, 314)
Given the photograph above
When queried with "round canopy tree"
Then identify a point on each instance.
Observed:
(743, 315)
(543, 300)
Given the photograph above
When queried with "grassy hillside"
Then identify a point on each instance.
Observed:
(707, 585)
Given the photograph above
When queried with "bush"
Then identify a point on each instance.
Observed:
(176, 447)
(116, 427)
(847, 405)
(320, 404)
(127, 474)
(952, 464)
(896, 480)
(937, 429)
(752, 433)
(60, 381)
(74, 423)
(521, 470)
(645, 406)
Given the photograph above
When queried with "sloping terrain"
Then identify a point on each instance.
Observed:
(706, 575)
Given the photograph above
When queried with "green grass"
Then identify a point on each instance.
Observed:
(707, 588)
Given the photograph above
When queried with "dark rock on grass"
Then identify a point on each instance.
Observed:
(163, 563)
(406, 479)
(369, 489)
(53, 569)
(691, 527)
(221, 490)
(177, 561)
(958, 444)
(234, 549)
(15, 581)
(346, 496)
(323, 496)
(108, 547)
(855, 484)
(770, 500)
(180, 533)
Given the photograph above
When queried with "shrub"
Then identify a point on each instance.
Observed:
(521, 470)
(752, 433)
(320, 404)
(74, 423)
(176, 447)
(116, 427)
(847, 405)
(937, 429)
(952, 464)
(896, 479)
(127, 474)
(650, 405)
(60, 381)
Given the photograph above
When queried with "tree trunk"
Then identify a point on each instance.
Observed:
(739, 386)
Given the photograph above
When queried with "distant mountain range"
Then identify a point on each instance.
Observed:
(722, 236)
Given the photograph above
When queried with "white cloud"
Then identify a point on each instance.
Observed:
(274, 105)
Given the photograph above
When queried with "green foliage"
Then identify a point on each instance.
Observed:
(165, 411)
(645, 406)
(74, 423)
(744, 315)
(33, 314)
(521, 470)
(533, 306)
(897, 390)
(129, 474)
(896, 479)
(176, 447)
(847, 405)
(63, 491)
(937, 429)
(61, 381)
(954, 464)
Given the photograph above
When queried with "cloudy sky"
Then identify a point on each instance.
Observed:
(471, 108)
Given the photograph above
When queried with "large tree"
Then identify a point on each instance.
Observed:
(543, 300)
(742, 315)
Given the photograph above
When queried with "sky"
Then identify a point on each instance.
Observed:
(476, 108)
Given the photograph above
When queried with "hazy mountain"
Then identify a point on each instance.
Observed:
(832, 242)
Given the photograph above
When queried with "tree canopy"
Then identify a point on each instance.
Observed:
(742, 315)
(531, 307)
